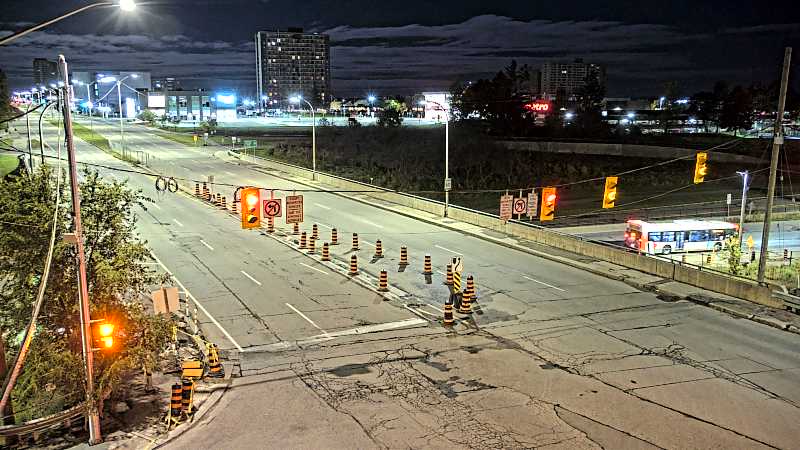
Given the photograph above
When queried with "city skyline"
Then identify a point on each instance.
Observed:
(427, 49)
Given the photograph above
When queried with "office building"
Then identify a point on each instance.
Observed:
(292, 63)
(167, 84)
(44, 72)
(568, 78)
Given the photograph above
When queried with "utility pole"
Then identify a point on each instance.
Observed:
(92, 414)
(773, 167)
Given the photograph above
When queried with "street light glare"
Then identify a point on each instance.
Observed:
(295, 99)
(127, 5)
(108, 79)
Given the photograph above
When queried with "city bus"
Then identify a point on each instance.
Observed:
(678, 236)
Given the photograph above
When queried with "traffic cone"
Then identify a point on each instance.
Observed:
(234, 208)
(270, 224)
(403, 256)
(383, 282)
(471, 288)
(353, 265)
(224, 202)
(466, 302)
(334, 237)
(355, 241)
(303, 240)
(175, 405)
(448, 312)
(205, 187)
(187, 397)
(427, 267)
(449, 276)
(326, 254)
(314, 231)
(312, 246)
(296, 228)
(197, 189)
(218, 199)
(215, 369)
(378, 249)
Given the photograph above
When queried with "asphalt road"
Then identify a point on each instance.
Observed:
(739, 376)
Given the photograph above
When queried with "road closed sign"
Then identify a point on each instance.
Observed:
(272, 207)
(294, 209)
(506, 205)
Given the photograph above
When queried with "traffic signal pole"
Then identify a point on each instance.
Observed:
(773, 167)
(92, 414)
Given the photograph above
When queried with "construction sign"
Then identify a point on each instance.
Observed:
(165, 300)
(458, 267)
(272, 207)
(506, 207)
(533, 205)
(520, 206)
(294, 209)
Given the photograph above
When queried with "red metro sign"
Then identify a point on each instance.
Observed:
(539, 106)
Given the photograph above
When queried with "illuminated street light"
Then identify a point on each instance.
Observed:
(631, 115)
(127, 5)
(569, 116)
(296, 99)
(446, 150)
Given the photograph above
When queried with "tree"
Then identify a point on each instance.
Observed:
(391, 116)
(734, 255)
(208, 126)
(737, 110)
(148, 116)
(117, 273)
(668, 109)
(590, 98)
(5, 100)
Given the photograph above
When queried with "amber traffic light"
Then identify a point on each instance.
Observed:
(610, 193)
(548, 209)
(700, 168)
(103, 335)
(251, 213)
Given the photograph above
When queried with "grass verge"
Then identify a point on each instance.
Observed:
(8, 163)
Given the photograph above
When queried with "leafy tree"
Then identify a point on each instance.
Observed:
(5, 99)
(116, 274)
(148, 116)
(391, 116)
(669, 109)
(208, 126)
(590, 98)
(734, 249)
(737, 110)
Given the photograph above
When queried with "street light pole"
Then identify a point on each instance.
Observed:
(297, 99)
(92, 414)
(121, 127)
(745, 179)
(773, 168)
(446, 154)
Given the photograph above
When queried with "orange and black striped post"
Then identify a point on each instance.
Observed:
(403, 256)
(224, 202)
(312, 246)
(218, 199)
(383, 282)
(449, 276)
(197, 189)
(296, 228)
(334, 237)
(205, 187)
(234, 208)
(471, 288)
(187, 397)
(270, 224)
(353, 265)
(215, 369)
(314, 231)
(466, 302)
(378, 249)
(427, 268)
(326, 252)
(303, 240)
(175, 405)
(355, 241)
(448, 312)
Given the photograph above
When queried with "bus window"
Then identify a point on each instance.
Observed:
(698, 236)
(668, 236)
(717, 235)
(654, 237)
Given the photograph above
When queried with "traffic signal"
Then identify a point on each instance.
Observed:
(700, 168)
(548, 210)
(251, 213)
(103, 335)
(610, 193)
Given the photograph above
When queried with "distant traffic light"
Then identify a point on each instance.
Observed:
(700, 168)
(251, 213)
(103, 335)
(610, 193)
(548, 210)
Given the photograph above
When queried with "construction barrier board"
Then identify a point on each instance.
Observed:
(294, 209)
(533, 204)
(165, 300)
(506, 207)
(192, 369)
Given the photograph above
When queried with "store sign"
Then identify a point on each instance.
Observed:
(539, 106)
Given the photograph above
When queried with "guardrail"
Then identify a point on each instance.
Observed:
(34, 428)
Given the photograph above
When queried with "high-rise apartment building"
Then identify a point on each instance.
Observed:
(568, 78)
(293, 63)
(44, 72)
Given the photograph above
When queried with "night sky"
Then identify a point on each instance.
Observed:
(402, 47)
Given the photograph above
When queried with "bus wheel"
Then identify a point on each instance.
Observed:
(666, 250)
(718, 247)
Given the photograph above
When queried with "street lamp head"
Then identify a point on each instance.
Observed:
(107, 79)
(631, 115)
(295, 99)
(371, 98)
(127, 5)
(134, 75)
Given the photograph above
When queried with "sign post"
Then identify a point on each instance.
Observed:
(506, 207)
(294, 209)
(730, 199)
(533, 204)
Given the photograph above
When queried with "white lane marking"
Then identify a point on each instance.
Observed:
(325, 225)
(206, 244)
(324, 333)
(177, 221)
(414, 321)
(199, 305)
(322, 206)
(440, 272)
(545, 284)
(448, 250)
(155, 206)
(368, 242)
(371, 223)
(230, 173)
(314, 268)
(251, 278)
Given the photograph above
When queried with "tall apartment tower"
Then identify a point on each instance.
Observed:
(44, 72)
(569, 78)
(293, 63)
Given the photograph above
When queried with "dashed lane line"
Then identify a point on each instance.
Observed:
(177, 221)
(323, 206)
(448, 250)
(314, 268)
(251, 278)
(324, 333)
(544, 284)
(206, 244)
